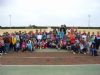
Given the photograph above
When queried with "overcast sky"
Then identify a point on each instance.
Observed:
(50, 12)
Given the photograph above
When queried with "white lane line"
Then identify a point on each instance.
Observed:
(40, 57)
(34, 57)
(48, 57)
(48, 65)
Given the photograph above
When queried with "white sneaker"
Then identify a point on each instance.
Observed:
(59, 48)
(0, 53)
(5, 53)
(74, 53)
(84, 53)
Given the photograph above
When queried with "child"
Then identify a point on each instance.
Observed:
(1, 45)
(14, 42)
(23, 46)
(97, 40)
(85, 45)
(39, 38)
(17, 46)
(0, 48)
(35, 43)
(39, 44)
(61, 43)
(81, 47)
(68, 43)
(88, 42)
(53, 44)
(64, 43)
(43, 44)
(58, 45)
(77, 48)
(49, 43)
(93, 50)
(30, 45)
(44, 36)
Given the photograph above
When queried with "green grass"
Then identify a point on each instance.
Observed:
(51, 70)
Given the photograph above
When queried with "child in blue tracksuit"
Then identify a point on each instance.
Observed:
(30, 45)
(93, 50)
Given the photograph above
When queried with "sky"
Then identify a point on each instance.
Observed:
(50, 12)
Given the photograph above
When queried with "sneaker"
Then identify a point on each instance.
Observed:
(5, 53)
(84, 53)
(0, 53)
(74, 53)
(58, 48)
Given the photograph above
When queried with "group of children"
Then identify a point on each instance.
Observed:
(73, 41)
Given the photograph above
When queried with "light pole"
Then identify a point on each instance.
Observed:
(10, 20)
(89, 16)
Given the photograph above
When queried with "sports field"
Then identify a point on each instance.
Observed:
(50, 70)
(49, 62)
(48, 57)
